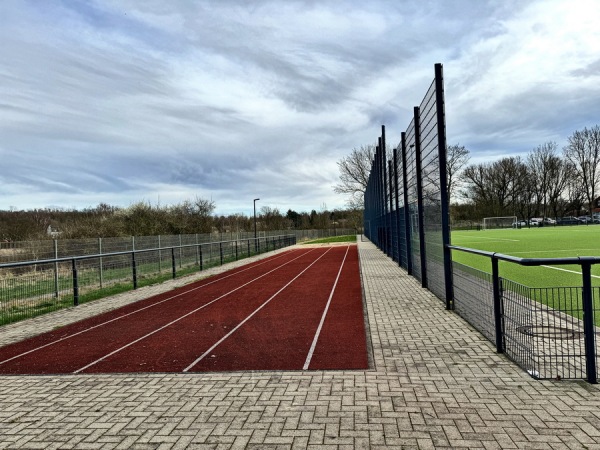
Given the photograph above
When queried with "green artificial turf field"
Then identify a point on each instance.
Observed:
(545, 242)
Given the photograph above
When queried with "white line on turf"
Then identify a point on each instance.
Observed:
(216, 344)
(139, 310)
(470, 239)
(567, 270)
(318, 332)
(183, 317)
(571, 250)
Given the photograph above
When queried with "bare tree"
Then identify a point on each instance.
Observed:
(560, 174)
(583, 151)
(496, 188)
(354, 174)
(457, 157)
(539, 162)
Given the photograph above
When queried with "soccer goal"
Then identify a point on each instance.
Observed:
(490, 223)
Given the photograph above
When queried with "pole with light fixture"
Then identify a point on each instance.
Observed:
(255, 241)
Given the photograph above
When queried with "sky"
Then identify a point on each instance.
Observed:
(127, 101)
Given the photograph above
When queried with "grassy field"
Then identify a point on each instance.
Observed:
(349, 238)
(546, 242)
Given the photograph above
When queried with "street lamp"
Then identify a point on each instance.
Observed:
(255, 241)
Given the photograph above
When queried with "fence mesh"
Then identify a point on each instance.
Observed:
(406, 205)
(28, 289)
(64, 248)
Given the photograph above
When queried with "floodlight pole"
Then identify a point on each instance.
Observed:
(255, 241)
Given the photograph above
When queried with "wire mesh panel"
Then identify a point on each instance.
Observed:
(406, 207)
(413, 210)
(551, 332)
(31, 288)
(473, 298)
(518, 316)
(34, 290)
(558, 332)
(431, 193)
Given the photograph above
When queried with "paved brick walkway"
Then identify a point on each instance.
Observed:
(435, 383)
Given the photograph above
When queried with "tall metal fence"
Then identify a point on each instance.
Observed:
(550, 331)
(406, 201)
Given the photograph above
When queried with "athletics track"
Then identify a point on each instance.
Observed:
(298, 310)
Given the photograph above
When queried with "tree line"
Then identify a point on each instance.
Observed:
(144, 219)
(545, 183)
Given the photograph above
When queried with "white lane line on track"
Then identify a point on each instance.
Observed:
(133, 312)
(183, 317)
(318, 332)
(207, 352)
(567, 270)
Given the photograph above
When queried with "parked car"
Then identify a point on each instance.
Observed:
(569, 220)
(536, 221)
(549, 221)
(519, 224)
(585, 219)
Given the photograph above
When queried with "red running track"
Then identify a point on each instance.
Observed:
(298, 310)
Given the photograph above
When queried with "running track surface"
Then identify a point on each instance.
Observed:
(298, 310)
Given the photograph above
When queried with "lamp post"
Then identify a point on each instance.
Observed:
(255, 241)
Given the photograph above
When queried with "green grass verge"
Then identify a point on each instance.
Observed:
(349, 238)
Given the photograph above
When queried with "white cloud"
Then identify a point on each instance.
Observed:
(123, 101)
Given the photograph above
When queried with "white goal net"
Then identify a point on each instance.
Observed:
(490, 223)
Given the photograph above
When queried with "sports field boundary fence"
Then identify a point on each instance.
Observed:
(550, 332)
(406, 201)
(32, 288)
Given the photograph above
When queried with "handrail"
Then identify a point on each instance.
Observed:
(129, 252)
(576, 260)
(585, 262)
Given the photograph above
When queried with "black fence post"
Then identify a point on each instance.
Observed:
(387, 210)
(200, 256)
(236, 250)
(75, 283)
(444, 197)
(397, 204)
(420, 207)
(588, 322)
(134, 270)
(407, 227)
(221, 251)
(173, 266)
(497, 306)
(390, 214)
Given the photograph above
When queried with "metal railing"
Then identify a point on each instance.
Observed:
(16, 251)
(31, 288)
(550, 331)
